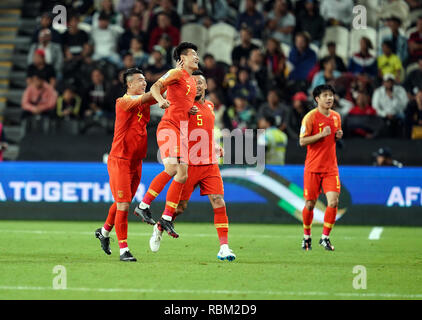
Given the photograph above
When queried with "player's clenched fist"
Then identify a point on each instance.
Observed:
(326, 131)
(194, 110)
(339, 134)
(164, 104)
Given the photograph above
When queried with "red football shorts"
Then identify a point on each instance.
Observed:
(208, 178)
(313, 182)
(125, 176)
(171, 142)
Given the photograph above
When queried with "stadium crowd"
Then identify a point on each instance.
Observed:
(77, 74)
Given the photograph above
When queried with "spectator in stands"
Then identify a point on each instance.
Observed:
(38, 98)
(134, 31)
(166, 6)
(107, 8)
(389, 63)
(144, 12)
(52, 51)
(390, 101)
(157, 65)
(273, 139)
(362, 114)
(46, 23)
(415, 42)
(96, 106)
(337, 12)
(38, 65)
(212, 70)
(384, 158)
(241, 115)
(396, 8)
(240, 53)
(273, 55)
(116, 90)
(274, 108)
(398, 41)
(281, 23)
(166, 43)
(3, 141)
(105, 38)
(309, 20)
(363, 62)
(414, 4)
(332, 47)
(219, 108)
(302, 57)
(296, 114)
(413, 117)
(128, 61)
(327, 75)
(74, 40)
(259, 72)
(413, 81)
(251, 18)
(244, 86)
(164, 26)
(136, 49)
(69, 104)
(230, 78)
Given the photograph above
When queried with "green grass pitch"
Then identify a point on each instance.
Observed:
(270, 263)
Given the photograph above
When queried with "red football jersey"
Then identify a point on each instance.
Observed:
(181, 92)
(130, 128)
(321, 156)
(201, 135)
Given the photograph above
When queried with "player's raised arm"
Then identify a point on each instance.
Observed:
(160, 86)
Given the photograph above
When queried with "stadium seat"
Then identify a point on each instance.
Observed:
(222, 29)
(372, 12)
(339, 35)
(221, 49)
(410, 31)
(411, 67)
(196, 33)
(384, 32)
(356, 35)
(85, 27)
(413, 16)
(285, 48)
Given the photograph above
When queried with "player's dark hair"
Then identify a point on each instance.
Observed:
(182, 49)
(130, 72)
(270, 119)
(322, 88)
(198, 73)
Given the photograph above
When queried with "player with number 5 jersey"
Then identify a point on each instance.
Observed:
(321, 128)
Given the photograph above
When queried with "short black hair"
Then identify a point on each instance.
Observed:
(198, 73)
(388, 43)
(130, 72)
(270, 119)
(182, 49)
(103, 16)
(322, 88)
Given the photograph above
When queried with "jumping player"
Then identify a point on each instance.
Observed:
(125, 160)
(172, 135)
(203, 170)
(321, 128)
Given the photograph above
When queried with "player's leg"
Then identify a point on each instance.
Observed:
(121, 231)
(172, 199)
(312, 189)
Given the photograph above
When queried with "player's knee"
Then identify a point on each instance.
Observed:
(218, 201)
(310, 204)
(181, 177)
(123, 206)
(333, 203)
(171, 170)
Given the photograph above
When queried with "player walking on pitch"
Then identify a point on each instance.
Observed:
(321, 128)
(203, 170)
(172, 135)
(125, 160)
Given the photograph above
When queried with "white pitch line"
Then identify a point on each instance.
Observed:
(375, 233)
(144, 234)
(218, 292)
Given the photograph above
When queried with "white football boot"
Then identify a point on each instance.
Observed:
(155, 240)
(226, 253)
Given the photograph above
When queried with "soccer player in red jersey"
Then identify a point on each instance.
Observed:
(321, 128)
(172, 135)
(125, 159)
(203, 170)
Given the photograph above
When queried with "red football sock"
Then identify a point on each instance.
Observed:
(221, 223)
(108, 225)
(172, 199)
(157, 185)
(329, 220)
(307, 216)
(121, 228)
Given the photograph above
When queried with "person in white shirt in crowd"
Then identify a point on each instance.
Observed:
(337, 12)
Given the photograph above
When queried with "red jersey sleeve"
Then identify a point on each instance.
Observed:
(128, 102)
(171, 77)
(307, 124)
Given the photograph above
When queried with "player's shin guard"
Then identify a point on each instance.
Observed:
(172, 199)
(307, 216)
(157, 185)
(108, 225)
(221, 223)
(121, 228)
(329, 220)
